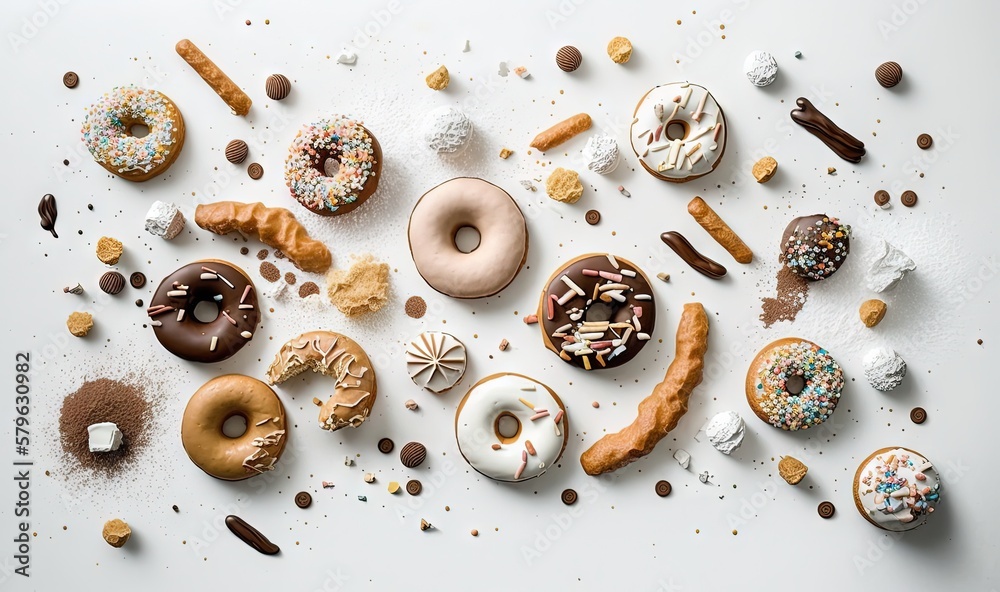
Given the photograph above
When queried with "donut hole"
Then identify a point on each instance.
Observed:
(234, 426)
(598, 312)
(206, 311)
(467, 239)
(795, 384)
(138, 130)
(507, 427)
(327, 162)
(676, 130)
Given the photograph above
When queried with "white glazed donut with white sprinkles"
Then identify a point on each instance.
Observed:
(510, 427)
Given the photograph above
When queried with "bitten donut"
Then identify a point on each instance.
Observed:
(896, 489)
(815, 247)
(678, 132)
(340, 358)
(510, 427)
(172, 311)
(107, 132)
(224, 457)
(794, 384)
(333, 165)
(597, 311)
(503, 238)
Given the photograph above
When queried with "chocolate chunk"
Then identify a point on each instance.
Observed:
(255, 171)
(308, 289)
(908, 199)
(244, 250)
(277, 87)
(413, 487)
(385, 445)
(881, 197)
(237, 151)
(251, 535)
(112, 282)
(71, 79)
(568, 58)
(569, 497)
(842, 143)
(889, 74)
(303, 499)
(924, 141)
(593, 217)
(696, 260)
(663, 488)
(412, 454)
(48, 212)
(918, 415)
(175, 508)
(138, 302)
(826, 509)
(137, 280)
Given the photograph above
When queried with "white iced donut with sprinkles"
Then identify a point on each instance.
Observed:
(678, 132)
(333, 165)
(510, 427)
(109, 132)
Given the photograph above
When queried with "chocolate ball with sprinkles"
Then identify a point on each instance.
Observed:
(597, 311)
(333, 165)
(815, 247)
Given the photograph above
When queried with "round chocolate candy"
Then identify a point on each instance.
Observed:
(303, 499)
(881, 197)
(908, 199)
(889, 74)
(70, 79)
(593, 217)
(663, 488)
(924, 141)
(569, 497)
(918, 415)
(139, 303)
(237, 151)
(112, 282)
(137, 280)
(385, 445)
(255, 171)
(412, 454)
(413, 487)
(826, 509)
(277, 87)
(568, 58)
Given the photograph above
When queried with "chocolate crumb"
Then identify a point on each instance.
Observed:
(416, 307)
(290, 278)
(278, 254)
(269, 272)
(262, 254)
(244, 250)
(175, 508)
(308, 289)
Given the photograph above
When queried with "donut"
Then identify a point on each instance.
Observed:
(172, 311)
(597, 311)
(678, 132)
(224, 457)
(107, 132)
(794, 384)
(503, 238)
(333, 165)
(339, 357)
(815, 247)
(534, 431)
(896, 489)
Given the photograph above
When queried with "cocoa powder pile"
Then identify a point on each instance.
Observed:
(105, 400)
(792, 294)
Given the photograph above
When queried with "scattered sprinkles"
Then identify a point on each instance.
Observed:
(798, 385)
(819, 249)
(339, 138)
(106, 134)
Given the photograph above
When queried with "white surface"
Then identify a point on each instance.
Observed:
(619, 535)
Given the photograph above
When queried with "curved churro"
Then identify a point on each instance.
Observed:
(663, 408)
(562, 131)
(720, 231)
(237, 100)
(276, 227)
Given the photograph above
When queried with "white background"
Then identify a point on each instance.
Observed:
(620, 535)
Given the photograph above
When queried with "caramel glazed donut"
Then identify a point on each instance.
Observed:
(678, 132)
(339, 357)
(171, 311)
(333, 165)
(535, 440)
(467, 202)
(107, 132)
(252, 453)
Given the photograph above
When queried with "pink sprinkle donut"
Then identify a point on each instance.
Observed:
(333, 165)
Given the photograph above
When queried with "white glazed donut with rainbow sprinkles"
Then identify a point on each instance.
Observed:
(108, 132)
(333, 165)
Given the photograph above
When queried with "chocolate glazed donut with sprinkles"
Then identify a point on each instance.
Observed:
(333, 165)
(815, 247)
(172, 311)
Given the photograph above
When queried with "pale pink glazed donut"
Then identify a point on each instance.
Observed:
(468, 202)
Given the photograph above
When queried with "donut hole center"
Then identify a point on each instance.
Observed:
(467, 239)
(676, 130)
(598, 312)
(327, 162)
(795, 384)
(138, 130)
(206, 311)
(507, 427)
(234, 426)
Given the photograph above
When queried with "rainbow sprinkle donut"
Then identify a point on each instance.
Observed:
(107, 132)
(794, 384)
(333, 165)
